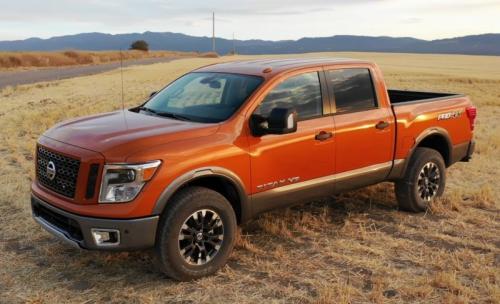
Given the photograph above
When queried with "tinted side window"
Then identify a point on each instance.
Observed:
(303, 92)
(353, 89)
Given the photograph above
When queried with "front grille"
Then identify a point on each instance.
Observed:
(66, 172)
(67, 225)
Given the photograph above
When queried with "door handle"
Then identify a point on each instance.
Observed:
(323, 135)
(382, 125)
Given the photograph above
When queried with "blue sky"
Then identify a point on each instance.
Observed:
(260, 19)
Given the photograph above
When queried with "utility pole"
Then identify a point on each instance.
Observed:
(234, 46)
(213, 32)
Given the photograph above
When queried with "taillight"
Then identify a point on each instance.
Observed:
(471, 114)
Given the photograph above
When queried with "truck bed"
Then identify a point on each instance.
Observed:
(398, 97)
(418, 113)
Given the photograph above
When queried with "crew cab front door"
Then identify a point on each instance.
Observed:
(282, 166)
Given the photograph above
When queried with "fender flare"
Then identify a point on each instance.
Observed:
(179, 182)
(421, 137)
(434, 131)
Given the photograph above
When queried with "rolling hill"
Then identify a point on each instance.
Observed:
(486, 44)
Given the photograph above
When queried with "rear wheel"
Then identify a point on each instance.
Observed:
(196, 234)
(424, 180)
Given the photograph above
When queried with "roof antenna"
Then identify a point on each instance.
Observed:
(121, 76)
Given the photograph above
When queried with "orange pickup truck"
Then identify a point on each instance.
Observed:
(228, 141)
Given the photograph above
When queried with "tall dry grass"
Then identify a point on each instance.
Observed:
(16, 60)
(351, 248)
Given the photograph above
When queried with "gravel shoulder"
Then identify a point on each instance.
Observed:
(13, 78)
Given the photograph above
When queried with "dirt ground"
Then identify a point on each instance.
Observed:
(351, 248)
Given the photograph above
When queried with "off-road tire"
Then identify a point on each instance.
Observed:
(407, 189)
(183, 205)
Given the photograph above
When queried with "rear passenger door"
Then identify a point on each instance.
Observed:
(364, 127)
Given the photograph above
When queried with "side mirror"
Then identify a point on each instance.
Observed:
(280, 121)
(152, 94)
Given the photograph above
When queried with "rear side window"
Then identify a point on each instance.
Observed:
(353, 89)
(302, 92)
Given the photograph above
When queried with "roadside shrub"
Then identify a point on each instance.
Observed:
(13, 62)
(71, 54)
(140, 45)
(209, 55)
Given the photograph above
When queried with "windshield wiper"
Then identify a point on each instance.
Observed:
(165, 114)
(173, 115)
(148, 110)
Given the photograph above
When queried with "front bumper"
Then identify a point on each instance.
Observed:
(75, 230)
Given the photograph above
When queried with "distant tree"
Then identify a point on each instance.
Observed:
(140, 45)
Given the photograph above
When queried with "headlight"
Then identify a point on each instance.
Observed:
(121, 183)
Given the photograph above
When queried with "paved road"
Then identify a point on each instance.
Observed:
(33, 76)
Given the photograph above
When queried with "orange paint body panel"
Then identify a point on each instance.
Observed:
(413, 120)
(183, 146)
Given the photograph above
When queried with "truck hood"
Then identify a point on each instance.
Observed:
(119, 134)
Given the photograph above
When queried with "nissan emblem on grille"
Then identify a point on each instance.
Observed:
(51, 170)
(57, 172)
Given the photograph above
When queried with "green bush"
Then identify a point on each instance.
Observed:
(140, 45)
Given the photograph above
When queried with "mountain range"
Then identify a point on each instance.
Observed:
(486, 44)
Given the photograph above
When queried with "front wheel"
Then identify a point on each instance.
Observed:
(424, 180)
(196, 234)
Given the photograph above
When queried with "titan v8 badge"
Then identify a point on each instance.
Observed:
(449, 115)
(279, 183)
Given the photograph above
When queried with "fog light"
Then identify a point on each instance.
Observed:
(106, 237)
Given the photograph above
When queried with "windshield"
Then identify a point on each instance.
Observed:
(203, 97)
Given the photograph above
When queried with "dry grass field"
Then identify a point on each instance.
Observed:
(30, 60)
(351, 248)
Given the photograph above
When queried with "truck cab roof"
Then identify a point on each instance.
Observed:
(269, 67)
